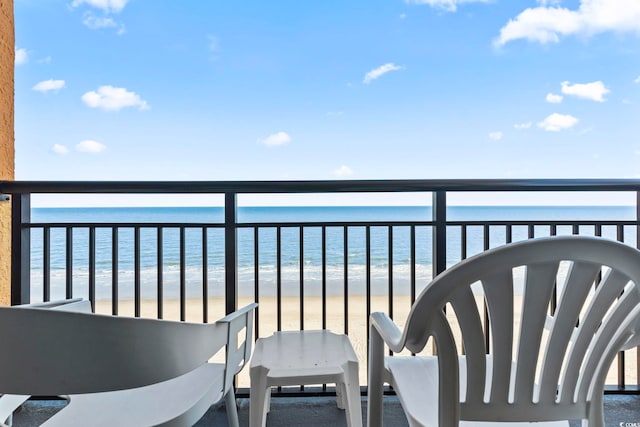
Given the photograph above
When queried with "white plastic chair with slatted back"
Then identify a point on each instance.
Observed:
(549, 370)
(119, 371)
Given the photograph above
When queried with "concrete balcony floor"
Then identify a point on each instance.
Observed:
(620, 410)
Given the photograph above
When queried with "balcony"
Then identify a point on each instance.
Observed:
(313, 270)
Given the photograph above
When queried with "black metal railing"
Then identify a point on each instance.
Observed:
(345, 253)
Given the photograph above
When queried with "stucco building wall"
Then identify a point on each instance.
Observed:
(7, 60)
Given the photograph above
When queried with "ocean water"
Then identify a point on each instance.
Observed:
(311, 262)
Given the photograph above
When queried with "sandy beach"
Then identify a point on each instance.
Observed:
(334, 318)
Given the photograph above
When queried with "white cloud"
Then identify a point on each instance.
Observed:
(343, 172)
(546, 24)
(49, 85)
(637, 80)
(379, 72)
(495, 136)
(278, 138)
(557, 122)
(108, 6)
(95, 22)
(90, 146)
(594, 91)
(522, 126)
(59, 149)
(45, 60)
(111, 98)
(552, 98)
(22, 57)
(448, 5)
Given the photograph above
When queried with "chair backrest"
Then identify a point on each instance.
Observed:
(556, 361)
(54, 352)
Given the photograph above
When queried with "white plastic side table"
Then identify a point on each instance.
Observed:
(300, 358)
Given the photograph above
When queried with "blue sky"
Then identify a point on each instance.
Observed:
(332, 89)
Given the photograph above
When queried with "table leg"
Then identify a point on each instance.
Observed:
(341, 395)
(352, 391)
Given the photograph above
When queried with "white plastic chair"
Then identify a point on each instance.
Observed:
(532, 374)
(10, 402)
(122, 371)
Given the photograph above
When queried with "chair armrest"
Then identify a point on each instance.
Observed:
(50, 304)
(238, 349)
(238, 313)
(388, 330)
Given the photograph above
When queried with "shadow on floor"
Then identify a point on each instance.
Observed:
(620, 411)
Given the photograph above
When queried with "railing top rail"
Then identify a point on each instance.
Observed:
(418, 185)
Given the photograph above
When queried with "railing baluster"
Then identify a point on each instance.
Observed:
(553, 230)
(114, 271)
(301, 276)
(324, 277)
(390, 262)
(346, 280)
(230, 252)
(279, 277)
(46, 264)
(463, 242)
(256, 280)
(92, 267)
(136, 271)
(487, 324)
(301, 279)
(368, 269)
(205, 276)
(160, 254)
(621, 354)
(439, 214)
(183, 277)
(412, 265)
(486, 237)
(69, 263)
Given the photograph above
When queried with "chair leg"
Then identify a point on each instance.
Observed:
(232, 409)
(267, 402)
(375, 385)
(258, 397)
(595, 417)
